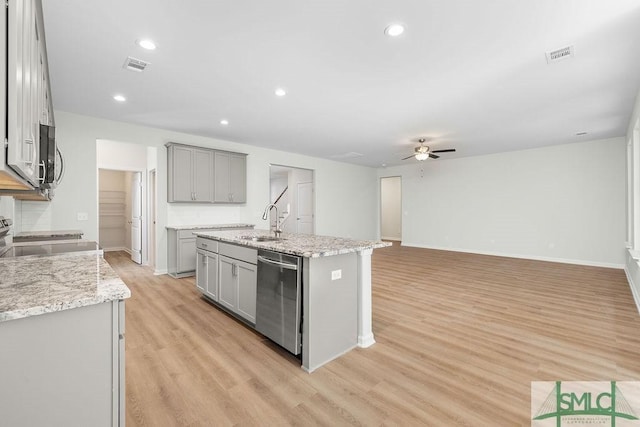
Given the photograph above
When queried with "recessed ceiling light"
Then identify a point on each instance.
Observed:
(394, 30)
(146, 44)
(280, 92)
(224, 122)
(119, 98)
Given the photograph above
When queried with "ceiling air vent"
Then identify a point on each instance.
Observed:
(134, 64)
(349, 155)
(559, 54)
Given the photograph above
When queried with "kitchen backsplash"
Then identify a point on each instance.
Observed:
(190, 214)
(32, 216)
(7, 207)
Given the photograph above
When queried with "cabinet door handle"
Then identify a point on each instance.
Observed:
(234, 270)
(44, 172)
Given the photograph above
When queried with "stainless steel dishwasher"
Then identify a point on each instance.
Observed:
(278, 308)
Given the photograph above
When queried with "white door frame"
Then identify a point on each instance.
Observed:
(397, 208)
(143, 176)
(152, 218)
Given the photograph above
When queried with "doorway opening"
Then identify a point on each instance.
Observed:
(120, 212)
(139, 164)
(151, 227)
(391, 208)
(292, 191)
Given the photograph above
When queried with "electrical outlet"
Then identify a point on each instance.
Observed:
(83, 216)
(336, 274)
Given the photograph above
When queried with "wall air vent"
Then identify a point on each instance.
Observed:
(134, 64)
(559, 54)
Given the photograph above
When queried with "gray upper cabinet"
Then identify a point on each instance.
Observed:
(199, 174)
(190, 171)
(28, 94)
(230, 177)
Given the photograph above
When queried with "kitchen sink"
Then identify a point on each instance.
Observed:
(261, 238)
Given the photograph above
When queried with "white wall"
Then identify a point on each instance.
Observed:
(632, 259)
(391, 208)
(562, 203)
(351, 188)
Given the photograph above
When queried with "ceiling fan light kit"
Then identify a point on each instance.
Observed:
(423, 152)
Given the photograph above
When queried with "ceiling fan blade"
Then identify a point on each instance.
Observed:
(409, 157)
(433, 156)
(448, 150)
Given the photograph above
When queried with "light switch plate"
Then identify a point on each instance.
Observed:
(83, 216)
(336, 274)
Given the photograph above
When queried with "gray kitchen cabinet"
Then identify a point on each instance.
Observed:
(238, 287)
(181, 247)
(247, 280)
(190, 172)
(64, 368)
(197, 174)
(26, 99)
(238, 278)
(207, 273)
(186, 254)
(230, 177)
(227, 274)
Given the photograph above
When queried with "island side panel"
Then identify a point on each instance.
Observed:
(330, 309)
(58, 368)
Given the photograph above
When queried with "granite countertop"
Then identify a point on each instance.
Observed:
(201, 227)
(45, 234)
(305, 245)
(36, 285)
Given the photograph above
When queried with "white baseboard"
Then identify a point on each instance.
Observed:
(531, 257)
(634, 289)
(395, 239)
(116, 249)
(160, 272)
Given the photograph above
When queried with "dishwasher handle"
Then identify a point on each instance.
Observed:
(278, 263)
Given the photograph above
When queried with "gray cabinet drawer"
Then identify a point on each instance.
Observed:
(239, 252)
(207, 244)
(185, 234)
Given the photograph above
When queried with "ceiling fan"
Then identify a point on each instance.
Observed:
(423, 152)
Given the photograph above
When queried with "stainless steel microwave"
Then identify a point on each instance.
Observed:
(51, 162)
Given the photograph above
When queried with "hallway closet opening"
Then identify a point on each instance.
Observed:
(119, 211)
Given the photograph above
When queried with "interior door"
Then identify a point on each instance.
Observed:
(136, 218)
(304, 220)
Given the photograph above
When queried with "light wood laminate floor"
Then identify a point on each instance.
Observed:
(459, 338)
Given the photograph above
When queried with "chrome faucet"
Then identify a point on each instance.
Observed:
(277, 231)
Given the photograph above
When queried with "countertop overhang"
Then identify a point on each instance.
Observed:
(304, 245)
(36, 285)
(209, 226)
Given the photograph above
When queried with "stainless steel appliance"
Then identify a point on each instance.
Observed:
(10, 248)
(5, 237)
(279, 308)
(51, 160)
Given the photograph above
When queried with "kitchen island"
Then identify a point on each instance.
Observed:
(336, 288)
(62, 334)
(181, 246)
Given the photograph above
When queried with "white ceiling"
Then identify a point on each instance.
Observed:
(467, 74)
